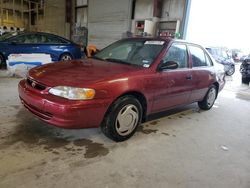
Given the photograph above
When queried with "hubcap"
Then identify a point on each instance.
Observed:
(230, 71)
(127, 120)
(66, 58)
(211, 97)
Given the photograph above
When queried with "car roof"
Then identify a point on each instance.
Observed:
(42, 33)
(33, 32)
(166, 39)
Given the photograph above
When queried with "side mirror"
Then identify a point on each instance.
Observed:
(169, 65)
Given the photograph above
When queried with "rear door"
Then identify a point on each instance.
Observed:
(175, 86)
(202, 72)
(53, 45)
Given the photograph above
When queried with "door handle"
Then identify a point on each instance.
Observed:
(35, 47)
(189, 77)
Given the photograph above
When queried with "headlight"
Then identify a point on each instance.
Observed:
(73, 93)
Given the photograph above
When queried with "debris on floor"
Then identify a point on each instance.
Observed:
(224, 148)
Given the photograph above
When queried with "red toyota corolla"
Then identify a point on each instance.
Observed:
(121, 85)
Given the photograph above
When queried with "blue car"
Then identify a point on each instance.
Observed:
(59, 48)
(222, 57)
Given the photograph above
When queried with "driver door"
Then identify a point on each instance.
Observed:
(175, 85)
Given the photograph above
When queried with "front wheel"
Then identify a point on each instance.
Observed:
(209, 99)
(122, 118)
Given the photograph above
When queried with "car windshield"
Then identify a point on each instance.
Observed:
(5, 36)
(140, 52)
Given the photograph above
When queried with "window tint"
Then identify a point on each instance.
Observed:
(198, 56)
(177, 53)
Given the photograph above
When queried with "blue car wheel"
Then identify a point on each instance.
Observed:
(66, 57)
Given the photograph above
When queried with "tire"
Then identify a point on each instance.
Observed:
(2, 61)
(231, 71)
(122, 118)
(209, 99)
(65, 57)
(245, 80)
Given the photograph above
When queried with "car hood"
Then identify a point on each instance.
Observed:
(223, 60)
(79, 73)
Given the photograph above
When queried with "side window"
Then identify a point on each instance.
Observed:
(177, 53)
(208, 60)
(47, 39)
(26, 39)
(198, 56)
(31, 39)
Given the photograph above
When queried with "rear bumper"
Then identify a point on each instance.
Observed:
(62, 112)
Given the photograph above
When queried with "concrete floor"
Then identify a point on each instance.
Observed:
(180, 148)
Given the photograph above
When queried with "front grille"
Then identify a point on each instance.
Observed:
(35, 84)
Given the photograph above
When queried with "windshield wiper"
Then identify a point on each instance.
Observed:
(118, 61)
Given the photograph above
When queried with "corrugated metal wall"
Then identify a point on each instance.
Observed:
(54, 20)
(107, 20)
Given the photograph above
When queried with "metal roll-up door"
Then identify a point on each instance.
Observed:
(108, 20)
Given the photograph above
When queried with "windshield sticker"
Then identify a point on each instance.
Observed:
(146, 65)
(154, 42)
(145, 61)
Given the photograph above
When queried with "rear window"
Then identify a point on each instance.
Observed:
(6, 36)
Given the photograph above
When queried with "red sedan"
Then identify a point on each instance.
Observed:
(121, 85)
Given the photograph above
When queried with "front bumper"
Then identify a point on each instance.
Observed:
(62, 112)
(245, 73)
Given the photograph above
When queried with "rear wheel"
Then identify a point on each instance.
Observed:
(231, 71)
(122, 119)
(66, 57)
(2, 61)
(209, 99)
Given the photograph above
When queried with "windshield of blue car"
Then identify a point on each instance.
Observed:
(7, 35)
(140, 52)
